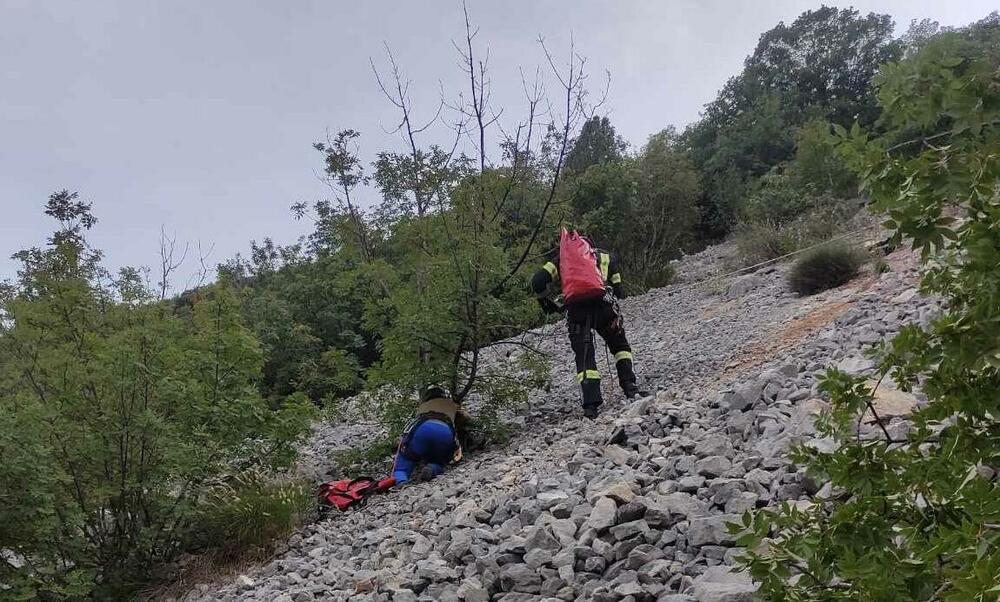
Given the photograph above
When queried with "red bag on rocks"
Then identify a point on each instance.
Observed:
(350, 492)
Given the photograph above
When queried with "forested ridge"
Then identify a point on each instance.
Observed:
(136, 427)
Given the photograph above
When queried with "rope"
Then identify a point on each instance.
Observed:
(621, 316)
(607, 361)
(763, 263)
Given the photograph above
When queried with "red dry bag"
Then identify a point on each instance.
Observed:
(581, 279)
(350, 492)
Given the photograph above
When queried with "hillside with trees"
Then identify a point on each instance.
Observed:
(137, 429)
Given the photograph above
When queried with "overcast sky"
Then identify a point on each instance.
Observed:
(200, 115)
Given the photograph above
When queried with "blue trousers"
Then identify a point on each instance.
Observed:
(432, 443)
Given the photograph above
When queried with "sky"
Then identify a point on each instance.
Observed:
(199, 117)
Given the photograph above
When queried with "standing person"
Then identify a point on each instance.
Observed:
(430, 440)
(587, 278)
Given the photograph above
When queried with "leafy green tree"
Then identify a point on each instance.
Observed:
(607, 190)
(817, 167)
(825, 59)
(818, 67)
(116, 416)
(915, 517)
(665, 213)
(597, 144)
(462, 228)
(643, 208)
(306, 302)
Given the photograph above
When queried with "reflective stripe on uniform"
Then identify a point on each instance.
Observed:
(616, 279)
(623, 355)
(551, 269)
(605, 263)
(588, 375)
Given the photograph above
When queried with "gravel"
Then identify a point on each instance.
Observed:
(631, 507)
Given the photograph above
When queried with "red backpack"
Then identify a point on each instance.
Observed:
(581, 279)
(351, 492)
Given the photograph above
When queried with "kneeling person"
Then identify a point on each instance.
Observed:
(431, 439)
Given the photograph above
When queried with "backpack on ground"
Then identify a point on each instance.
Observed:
(346, 493)
(581, 278)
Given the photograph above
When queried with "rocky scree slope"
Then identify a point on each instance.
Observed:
(632, 507)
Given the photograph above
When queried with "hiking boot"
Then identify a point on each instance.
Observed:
(590, 412)
(634, 392)
(426, 473)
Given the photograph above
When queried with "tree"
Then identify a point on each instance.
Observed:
(817, 167)
(825, 59)
(598, 143)
(644, 208)
(666, 211)
(463, 228)
(818, 67)
(915, 517)
(116, 416)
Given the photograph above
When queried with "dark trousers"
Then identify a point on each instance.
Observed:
(600, 315)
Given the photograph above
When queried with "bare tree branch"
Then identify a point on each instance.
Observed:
(168, 265)
(573, 96)
(202, 272)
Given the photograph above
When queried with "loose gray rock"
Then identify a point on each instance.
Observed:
(603, 515)
(631, 507)
(711, 530)
(713, 466)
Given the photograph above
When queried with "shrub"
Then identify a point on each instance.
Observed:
(252, 511)
(914, 514)
(762, 241)
(116, 414)
(655, 277)
(824, 267)
(777, 197)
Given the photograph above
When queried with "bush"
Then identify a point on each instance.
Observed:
(762, 241)
(116, 416)
(777, 197)
(914, 514)
(252, 511)
(823, 268)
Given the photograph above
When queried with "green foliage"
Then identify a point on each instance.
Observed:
(117, 415)
(815, 177)
(307, 308)
(817, 67)
(251, 511)
(644, 208)
(761, 240)
(824, 267)
(446, 304)
(817, 166)
(333, 375)
(597, 144)
(777, 199)
(916, 518)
